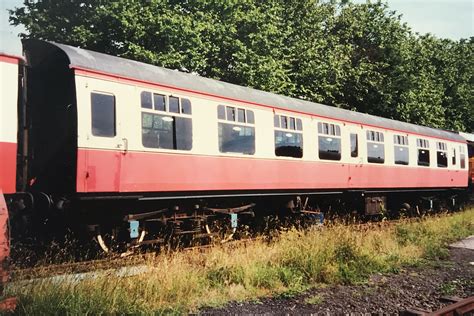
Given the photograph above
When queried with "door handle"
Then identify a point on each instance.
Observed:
(125, 145)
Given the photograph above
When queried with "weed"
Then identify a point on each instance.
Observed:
(451, 287)
(448, 288)
(314, 300)
(223, 276)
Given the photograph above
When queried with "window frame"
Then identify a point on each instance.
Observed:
(441, 149)
(421, 145)
(92, 113)
(326, 131)
(401, 141)
(167, 113)
(356, 154)
(462, 157)
(249, 122)
(296, 131)
(375, 138)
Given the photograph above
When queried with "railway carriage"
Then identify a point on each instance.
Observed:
(115, 140)
(10, 67)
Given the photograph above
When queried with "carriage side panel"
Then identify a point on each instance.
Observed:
(9, 67)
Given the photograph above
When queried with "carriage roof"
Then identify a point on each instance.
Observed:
(103, 63)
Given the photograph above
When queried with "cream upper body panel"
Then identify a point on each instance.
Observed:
(205, 136)
(8, 101)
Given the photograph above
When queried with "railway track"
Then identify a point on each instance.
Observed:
(45, 271)
(129, 259)
(115, 262)
(457, 307)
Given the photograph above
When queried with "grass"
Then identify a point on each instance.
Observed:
(448, 288)
(314, 300)
(451, 287)
(183, 282)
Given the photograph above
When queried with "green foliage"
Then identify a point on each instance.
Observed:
(352, 265)
(433, 239)
(222, 275)
(356, 56)
(448, 288)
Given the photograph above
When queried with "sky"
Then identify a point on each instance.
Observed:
(452, 19)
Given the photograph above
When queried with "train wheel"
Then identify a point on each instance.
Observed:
(109, 239)
(220, 234)
(116, 241)
(105, 242)
(102, 244)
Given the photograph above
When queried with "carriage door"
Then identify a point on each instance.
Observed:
(355, 136)
(104, 156)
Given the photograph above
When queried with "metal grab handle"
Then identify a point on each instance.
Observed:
(125, 145)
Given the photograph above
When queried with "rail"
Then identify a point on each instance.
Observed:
(460, 307)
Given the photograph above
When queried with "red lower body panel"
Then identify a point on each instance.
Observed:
(8, 167)
(112, 171)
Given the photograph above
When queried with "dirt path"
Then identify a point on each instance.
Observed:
(414, 287)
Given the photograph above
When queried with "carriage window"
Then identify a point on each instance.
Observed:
(400, 149)
(284, 122)
(166, 128)
(241, 115)
(288, 144)
(250, 117)
(462, 156)
(375, 147)
(146, 100)
(149, 99)
(288, 136)
(354, 145)
(103, 114)
(174, 104)
(276, 121)
(159, 102)
(236, 137)
(442, 154)
(329, 140)
(185, 106)
(221, 112)
(423, 152)
(299, 125)
(230, 113)
(167, 132)
(292, 123)
(454, 157)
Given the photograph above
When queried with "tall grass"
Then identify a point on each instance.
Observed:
(185, 281)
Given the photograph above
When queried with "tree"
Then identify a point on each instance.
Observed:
(235, 41)
(454, 62)
(355, 56)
